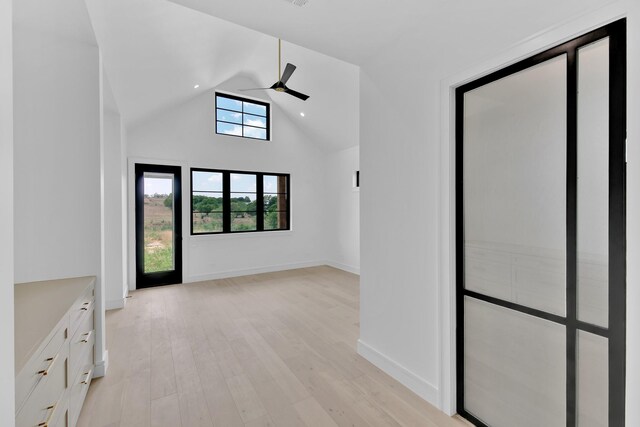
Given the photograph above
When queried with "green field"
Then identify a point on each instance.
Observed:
(158, 234)
(207, 218)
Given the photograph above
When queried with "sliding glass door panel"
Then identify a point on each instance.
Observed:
(515, 132)
(593, 183)
(514, 367)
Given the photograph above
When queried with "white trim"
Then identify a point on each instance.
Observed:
(250, 271)
(412, 381)
(100, 370)
(197, 238)
(537, 43)
(115, 304)
(344, 267)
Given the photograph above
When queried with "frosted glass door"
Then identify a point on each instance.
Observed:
(540, 236)
(515, 367)
(593, 182)
(515, 143)
(515, 156)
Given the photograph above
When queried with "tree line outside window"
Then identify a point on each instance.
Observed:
(224, 201)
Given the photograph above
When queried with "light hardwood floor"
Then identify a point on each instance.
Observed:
(276, 349)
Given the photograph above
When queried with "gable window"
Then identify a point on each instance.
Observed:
(224, 201)
(242, 117)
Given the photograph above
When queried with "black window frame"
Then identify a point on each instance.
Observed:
(243, 100)
(226, 200)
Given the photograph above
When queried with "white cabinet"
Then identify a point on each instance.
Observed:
(54, 350)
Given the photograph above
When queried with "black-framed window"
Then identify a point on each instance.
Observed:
(246, 118)
(226, 201)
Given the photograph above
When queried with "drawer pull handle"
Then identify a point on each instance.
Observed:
(52, 361)
(87, 335)
(87, 378)
(84, 309)
(52, 410)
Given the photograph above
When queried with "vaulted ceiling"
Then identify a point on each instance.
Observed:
(155, 52)
(355, 30)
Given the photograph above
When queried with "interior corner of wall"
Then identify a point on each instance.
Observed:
(404, 376)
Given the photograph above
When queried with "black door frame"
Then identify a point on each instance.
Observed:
(145, 280)
(616, 332)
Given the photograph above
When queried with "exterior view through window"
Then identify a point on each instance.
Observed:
(158, 223)
(242, 117)
(234, 201)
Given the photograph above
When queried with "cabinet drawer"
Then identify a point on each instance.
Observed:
(79, 387)
(62, 414)
(35, 371)
(46, 404)
(82, 340)
(79, 309)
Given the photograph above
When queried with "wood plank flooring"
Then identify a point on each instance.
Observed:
(275, 349)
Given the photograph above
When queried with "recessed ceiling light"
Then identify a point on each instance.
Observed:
(302, 114)
(196, 86)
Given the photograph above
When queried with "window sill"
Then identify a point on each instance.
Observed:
(239, 235)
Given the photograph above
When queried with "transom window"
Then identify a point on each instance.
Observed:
(242, 117)
(225, 201)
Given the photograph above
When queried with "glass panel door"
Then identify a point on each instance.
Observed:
(540, 171)
(158, 225)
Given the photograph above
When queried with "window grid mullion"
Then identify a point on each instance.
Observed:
(260, 201)
(226, 202)
(242, 111)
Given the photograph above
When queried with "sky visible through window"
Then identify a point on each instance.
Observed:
(206, 181)
(241, 118)
(243, 185)
(161, 186)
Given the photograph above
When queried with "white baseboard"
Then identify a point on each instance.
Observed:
(101, 367)
(250, 271)
(115, 304)
(345, 267)
(413, 382)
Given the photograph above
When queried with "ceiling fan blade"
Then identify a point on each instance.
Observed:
(289, 69)
(255, 88)
(296, 94)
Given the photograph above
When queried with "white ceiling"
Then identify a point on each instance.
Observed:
(350, 30)
(355, 30)
(155, 51)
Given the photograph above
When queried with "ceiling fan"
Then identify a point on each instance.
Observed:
(281, 84)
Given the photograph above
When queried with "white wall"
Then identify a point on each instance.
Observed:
(185, 135)
(124, 215)
(7, 373)
(344, 199)
(57, 134)
(114, 220)
(405, 282)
